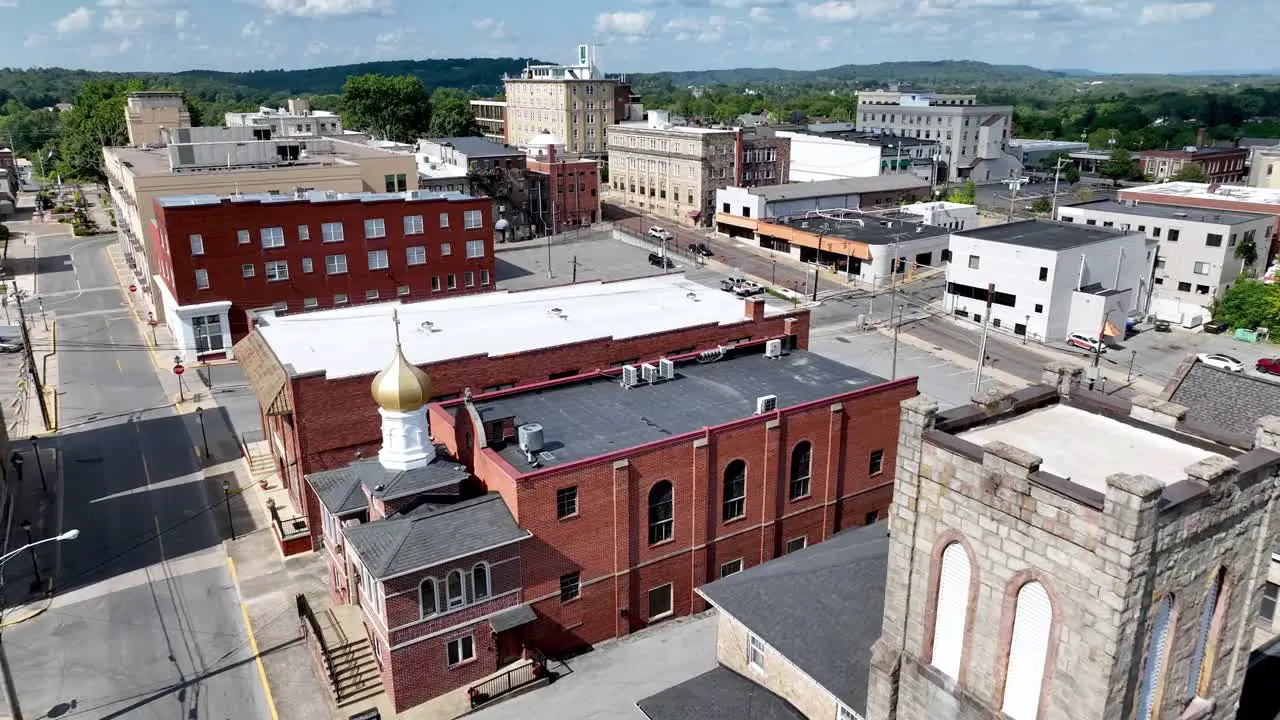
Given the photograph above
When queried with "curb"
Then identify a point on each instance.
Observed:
(253, 639)
(30, 615)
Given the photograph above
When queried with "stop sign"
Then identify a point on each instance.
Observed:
(178, 369)
(133, 288)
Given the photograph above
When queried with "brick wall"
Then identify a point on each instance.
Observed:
(419, 672)
(779, 675)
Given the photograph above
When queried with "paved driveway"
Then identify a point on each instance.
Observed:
(606, 683)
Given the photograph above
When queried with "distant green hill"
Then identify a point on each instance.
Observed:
(941, 73)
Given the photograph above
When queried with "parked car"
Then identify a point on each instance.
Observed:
(1268, 366)
(1220, 361)
(659, 260)
(1163, 326)
(11, 345)
(728, 284)
(700, 249)
(748, 288)
(1084, 342)
(659, 234)
(1214, 327)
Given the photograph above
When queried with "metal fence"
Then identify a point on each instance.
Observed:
(508, 681)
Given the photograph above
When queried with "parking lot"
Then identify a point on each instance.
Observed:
(1160, 353)
(593, 257)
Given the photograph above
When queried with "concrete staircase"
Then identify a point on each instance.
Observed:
(261, 466)
(353, 670)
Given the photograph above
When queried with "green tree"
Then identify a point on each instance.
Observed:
(451, 114)
(4, 233)
(96, 122)
(29, 130)
(1249, 304)
(1041, 205)
(1071, 174)
(966, 195)
(1247, 249)
(388, 108)
(1120, 166)
(1191, 172)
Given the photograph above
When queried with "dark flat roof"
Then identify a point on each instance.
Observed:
(821, 607)
(1044, 234)
(839, 186)
(477, 147)
(593, 417)
(719, 694)
(864, 228)
(1171, 212)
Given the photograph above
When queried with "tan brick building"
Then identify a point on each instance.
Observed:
(573, 102)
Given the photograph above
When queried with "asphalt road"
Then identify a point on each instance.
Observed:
(147, 622)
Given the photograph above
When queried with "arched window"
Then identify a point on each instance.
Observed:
(801, 459)
(453, 590)
(952, 610)
(661, 523)
(1157, 659)
(735, 490)
(480, 581)
(1207, 642)
(1028, 651)
(427, 597)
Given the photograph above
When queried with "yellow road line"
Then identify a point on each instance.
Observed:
(119, 366)
(253, 644)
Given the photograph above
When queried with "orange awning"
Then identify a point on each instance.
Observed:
(1109, 330)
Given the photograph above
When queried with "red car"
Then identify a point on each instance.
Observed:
(1268, 366)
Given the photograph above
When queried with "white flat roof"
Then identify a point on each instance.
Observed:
(1200, 191)
(357, 340)
(1032, 144)
(1085, 448)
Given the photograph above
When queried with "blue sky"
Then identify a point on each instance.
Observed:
(639, 35)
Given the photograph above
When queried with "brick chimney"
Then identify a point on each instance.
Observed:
(755, 308)
(1200, 137)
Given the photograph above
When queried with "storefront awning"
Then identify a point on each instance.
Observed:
(694, 213)
(512, 618)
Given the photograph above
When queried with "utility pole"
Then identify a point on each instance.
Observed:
(893, 375)
(982, 346)
(1057, 173)
(817, 264)
(575, 270)
(31, 360)
(1014, 185)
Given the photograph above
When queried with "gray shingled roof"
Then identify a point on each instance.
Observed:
(339, 489)
(395, 546)
(1231, 402)
(821, 607)
(719, 694)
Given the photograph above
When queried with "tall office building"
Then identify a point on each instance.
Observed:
(573, 102)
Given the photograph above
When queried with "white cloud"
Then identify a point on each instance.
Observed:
(35, 40)
(128, 17)
(324, 8)
(181, 18)
(760, 14)
(73, 22)
(823, 42)
(6, 4)
(833, 10)
(251, 29)
(708, 31)
(315, 47)
(495, 29)
(624, 23)
(1176, 12)
(392, 38)
(124, 46)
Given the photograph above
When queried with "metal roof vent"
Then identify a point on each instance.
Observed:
(557, 312)
(428, 327)
(692, 296)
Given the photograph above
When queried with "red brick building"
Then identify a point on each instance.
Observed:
(567, 190)
(220, 257)
(1220, 165)
(605, 499)
(311, 392)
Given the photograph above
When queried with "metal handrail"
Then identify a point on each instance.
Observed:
(308, 615)
(510, 680)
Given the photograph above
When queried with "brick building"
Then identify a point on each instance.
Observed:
(1220, 165)
(218, 258)
(598, 502)
(567, 189)
(311, 374)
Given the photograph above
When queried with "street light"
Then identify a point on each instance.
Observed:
(203, 437)
(226, 497)
(16, 461)
(35, 446)
(26, 526)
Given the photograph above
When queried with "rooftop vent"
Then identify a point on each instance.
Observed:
(530, 437)
(666, 369)
(428, 326)
(649, 373)
(630, 376)
(766, 403)
(773, 348)
(710, 356)
(691, 296)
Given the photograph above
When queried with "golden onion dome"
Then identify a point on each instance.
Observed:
(401, 387)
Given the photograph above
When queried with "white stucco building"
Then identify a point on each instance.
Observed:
(944, 213)
(815, 157)
(1050, 278)
(973, 139)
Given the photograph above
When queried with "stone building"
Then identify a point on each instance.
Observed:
(1059, 554)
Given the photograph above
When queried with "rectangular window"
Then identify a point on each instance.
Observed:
(446, 249)
(730, 568)
(1213, 240)
(304, 232)
(1173, 235)
(1039, 308)
(309, 303)
(331, 232)
(1044, 274)
(402, 291)
(435, 283)
(844, 713)
(242, 236)
(340, 299)
(416, 255)
(797, 544)
(306, 265)
(1270, 594)
(208, 333)
(453, 281)
(660, 602)
(1200, 268)
(875, 464)
(378, 260)
(484, 277)
(335, 264)
(202, 279)
(475, 248)
(412, 224)
(370, 294)
(566, 502)
(272, 237)
(472, 219)
(444, 220)
(374, 228)
(1202, 289)
(462, 649)
(277, 270)
(247, 270)
(1184, 287)
(197, 245)
(389, 182)
(973, 262)
(469, 278)
(755, 652)
(570, 586)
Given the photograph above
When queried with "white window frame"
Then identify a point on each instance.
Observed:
(452, 603)
(307, 265)
(738, 568)
(470, 645)
(756, 653)
(446, 249)
(340, 299)
(281, 268)
(378, 260)
(444, 220)
(955, 579)
(271, 237)
(469, 278)
(331, 268)
(202, 279)
(332, 232)
(484, 277)
(243, 237)
(804, 543)
(488, 582)
(304, 232)
(370, 294)
(671, 602)
(375, 228)
(1200, 267)
(451, 282)
(402, 290)
(197, 244)
(248, 270)
(310, 303)
(435, 598)
(472, 219)
(844, 713)
(413, 225)
(1028, 652)
(475, 249)
(415, 255)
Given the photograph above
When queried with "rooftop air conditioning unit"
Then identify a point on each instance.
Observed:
(649, 373)
(766, 403)
(630, 376)
(666, 369)
(773, 349)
